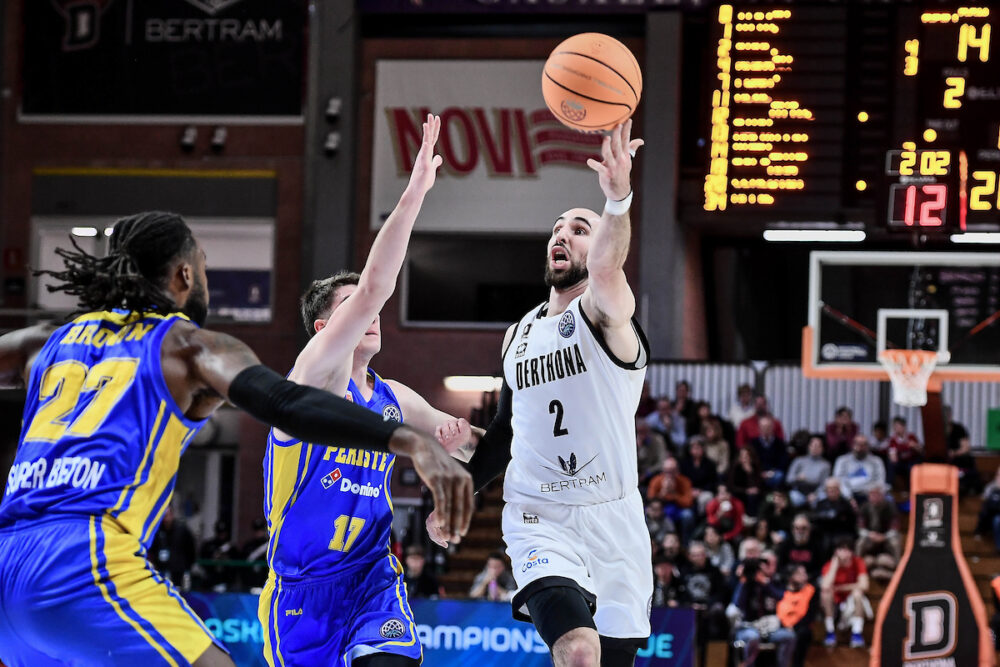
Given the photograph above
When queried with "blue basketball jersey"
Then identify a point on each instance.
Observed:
(329, 509)
(101, 434)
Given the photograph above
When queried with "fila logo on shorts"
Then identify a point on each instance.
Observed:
(529, 518)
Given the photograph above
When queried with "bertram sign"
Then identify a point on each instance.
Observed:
(163, 57)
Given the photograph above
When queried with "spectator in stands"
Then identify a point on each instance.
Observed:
(651, 449)
(797, 609)
(671, 549)
(724, 514)
(762, 531)
(880, 440)
(989, 513)
(219, 548)
(677, 494)
(255, 550)
(701, 471)
(879, 541)
(173, 549)
(803, 547)
(657, 523)
(844, 589)
(717, 448)
(661, 420)
(647, 403)
(494, 582)
(807, 473)
(956, 437)
(778, 513)
(834, 517)
(707, 593)
(753, 612)
(743, 408)
(904, 452)
(859, 471)
(750, 547)
(840, 433)
(746, 479)
(749, 428)
(668, 587)
(685, 410)
(772, 452)
(720, 552)
(420, 583)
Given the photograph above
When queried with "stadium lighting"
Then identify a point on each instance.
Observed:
(472, 383)
(815, 235)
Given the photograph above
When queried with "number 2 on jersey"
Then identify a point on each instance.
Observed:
(350, 532)
(556, 408)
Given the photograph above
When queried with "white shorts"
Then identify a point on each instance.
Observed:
(604, 548)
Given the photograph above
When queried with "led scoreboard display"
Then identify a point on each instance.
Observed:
(791, 138)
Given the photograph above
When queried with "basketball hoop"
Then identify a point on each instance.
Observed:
(909, 371)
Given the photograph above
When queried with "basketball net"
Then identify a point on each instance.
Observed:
(909, 371)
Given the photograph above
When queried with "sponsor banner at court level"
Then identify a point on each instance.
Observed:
(453, 633)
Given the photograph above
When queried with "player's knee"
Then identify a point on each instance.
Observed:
(577, 648)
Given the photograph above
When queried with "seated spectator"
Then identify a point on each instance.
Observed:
(255, 551)
(803, 547)
(744, 407)
(717, 448)
(750, 547)
(840, 433)
(701, 471)
(843, 591)
(746, 480)
(834, 517)
(494, 581)
(707, 593)
(879, 542)
(420, 583)
(720, 552)
(761, 530)
(904, 452)
(661, 420)
(797, 610)
(685, 412)
(772, 452)
(778, 513)
(807, 473)
(859, 471)
(651, 449)
(671, 549)
(724, 513)
(750, 429)
(960, 454)
(677, 494)
(173, 550)
(668, 587)
(703, 413)
(880, 440)
(989, 513)
(753, 612)
(657, 523)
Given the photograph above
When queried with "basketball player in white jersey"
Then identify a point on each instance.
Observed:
(573, 371)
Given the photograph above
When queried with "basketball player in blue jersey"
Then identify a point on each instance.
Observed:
(113, 399)
(565, 431)
(335, 594)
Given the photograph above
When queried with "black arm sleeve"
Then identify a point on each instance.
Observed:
(493, 451)
(307, 413)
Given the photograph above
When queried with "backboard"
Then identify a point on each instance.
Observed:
(861, 303)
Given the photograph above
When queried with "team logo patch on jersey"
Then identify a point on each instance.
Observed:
(391, 412)
(330, 479)
(567, 324)
(569, 467)
(392, 629)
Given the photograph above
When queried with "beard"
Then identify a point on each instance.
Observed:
(567, 278)
(196, 307)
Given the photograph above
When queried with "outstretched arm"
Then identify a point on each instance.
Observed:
(326, 360)
(608, 300)
(454, 434)
(17, 350)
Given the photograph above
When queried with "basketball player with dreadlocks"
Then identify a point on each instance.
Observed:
(329, 540)
(573, 372)
(113, 399)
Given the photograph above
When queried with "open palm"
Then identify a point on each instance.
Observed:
(426, 165)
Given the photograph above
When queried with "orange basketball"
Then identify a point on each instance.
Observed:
(591, 82)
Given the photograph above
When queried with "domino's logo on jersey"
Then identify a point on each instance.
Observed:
(330, 479)
(567, 324)
(392, 413)
(534, 560)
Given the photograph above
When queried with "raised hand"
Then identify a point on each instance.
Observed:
(426, 165)
(615, 169)
(453, 434)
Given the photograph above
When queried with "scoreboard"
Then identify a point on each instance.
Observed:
(795, 133)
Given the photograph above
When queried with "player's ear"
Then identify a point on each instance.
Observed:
(318, 325)
(181, 277)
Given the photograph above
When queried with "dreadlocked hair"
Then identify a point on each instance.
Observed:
(132, 275)
(317, 302)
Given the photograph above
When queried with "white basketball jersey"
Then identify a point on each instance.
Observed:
(573, 410)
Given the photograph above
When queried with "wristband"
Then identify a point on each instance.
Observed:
(619, 207)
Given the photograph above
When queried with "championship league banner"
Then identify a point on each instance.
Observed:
(454, 633)
(509, 165)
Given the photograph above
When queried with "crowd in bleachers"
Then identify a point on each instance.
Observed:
(766, 533)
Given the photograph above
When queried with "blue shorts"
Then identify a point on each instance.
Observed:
(335, 620)
(78, 591)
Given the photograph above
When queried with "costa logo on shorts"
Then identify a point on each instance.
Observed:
(391, 412)
(567, 324)
(392, 629)
(534, 560)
